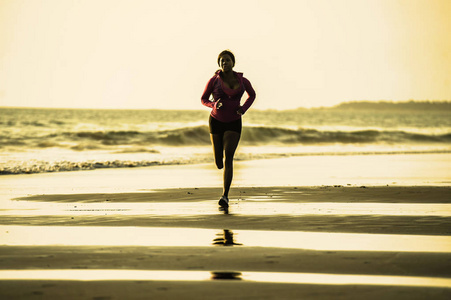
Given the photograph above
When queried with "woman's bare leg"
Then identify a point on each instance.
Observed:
(218, 149)
(230, 142)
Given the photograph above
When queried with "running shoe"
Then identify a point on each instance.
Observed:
(224, 201)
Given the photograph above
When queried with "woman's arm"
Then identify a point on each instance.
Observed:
(251, 92)
(205, 99)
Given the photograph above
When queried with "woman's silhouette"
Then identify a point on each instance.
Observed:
(227, 88)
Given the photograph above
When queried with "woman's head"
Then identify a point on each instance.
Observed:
(226, 60)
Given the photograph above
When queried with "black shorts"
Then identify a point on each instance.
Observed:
(218, 127)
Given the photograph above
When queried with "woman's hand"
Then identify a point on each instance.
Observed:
(218, 104)
(240, 111)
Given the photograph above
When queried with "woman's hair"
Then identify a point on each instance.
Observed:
(226, 52)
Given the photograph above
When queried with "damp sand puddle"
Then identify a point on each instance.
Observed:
(267, 277)
(248, 208)
(196, 237)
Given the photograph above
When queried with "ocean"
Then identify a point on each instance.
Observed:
(57, 140)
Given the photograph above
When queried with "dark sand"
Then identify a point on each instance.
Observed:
(236, 258)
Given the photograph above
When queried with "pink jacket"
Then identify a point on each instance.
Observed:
(231, 99)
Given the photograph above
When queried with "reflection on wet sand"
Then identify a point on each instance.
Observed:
(225, 210)
(250, 207)
(185, 237)
(268, 277)
(225, 238)
(223, 275)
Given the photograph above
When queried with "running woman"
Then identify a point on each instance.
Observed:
(227, 88)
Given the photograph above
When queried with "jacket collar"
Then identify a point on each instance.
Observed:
(237, 74)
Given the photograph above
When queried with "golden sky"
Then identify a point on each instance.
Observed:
(160, 54)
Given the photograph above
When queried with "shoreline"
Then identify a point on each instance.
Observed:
(355, 170)
(246, 154)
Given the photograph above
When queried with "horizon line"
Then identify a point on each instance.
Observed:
(259, 109)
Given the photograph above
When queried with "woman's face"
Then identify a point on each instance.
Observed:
(226, 63)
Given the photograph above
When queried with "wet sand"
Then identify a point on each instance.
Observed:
(286, 242)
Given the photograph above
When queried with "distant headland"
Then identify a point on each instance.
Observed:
(411, 105)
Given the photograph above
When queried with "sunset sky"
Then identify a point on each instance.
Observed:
(160, 54)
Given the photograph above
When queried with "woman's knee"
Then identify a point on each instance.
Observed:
(231, 140)
(219, 163)
(228, 161)
(219, 159)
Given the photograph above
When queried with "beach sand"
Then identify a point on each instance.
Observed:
(157, 233)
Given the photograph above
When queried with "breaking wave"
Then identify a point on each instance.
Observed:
(199, 136)
(32, 167)
(65, 166)
(58, 140)
(312, 136)
(142, 148)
